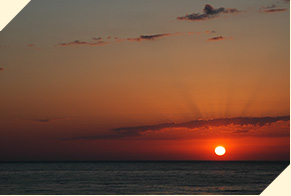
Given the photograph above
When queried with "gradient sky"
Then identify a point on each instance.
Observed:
(146, 80)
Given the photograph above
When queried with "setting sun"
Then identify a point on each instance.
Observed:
(111, 91)
(220, 150)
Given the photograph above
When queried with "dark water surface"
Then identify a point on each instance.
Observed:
(139, 178)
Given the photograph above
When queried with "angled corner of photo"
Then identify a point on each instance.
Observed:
(136, 97)
(9, 9)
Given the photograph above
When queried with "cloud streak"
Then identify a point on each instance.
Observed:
(98, 41)
(83, 43)
(154, 36)
(149, 37)
(200, 128)
(214, 122)
(209, 13)
(218, 38)
(271, 9)
(275, 10)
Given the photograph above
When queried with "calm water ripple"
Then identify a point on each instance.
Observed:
(138, 178)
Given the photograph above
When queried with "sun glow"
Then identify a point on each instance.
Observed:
(220, 150)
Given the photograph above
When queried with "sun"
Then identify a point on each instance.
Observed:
(220, 150)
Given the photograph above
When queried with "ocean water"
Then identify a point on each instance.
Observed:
(138, 178)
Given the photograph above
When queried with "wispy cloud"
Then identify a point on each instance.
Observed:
(154, 36)
(98, 41)
(209, 13)
(275, 10)
(257, 126)
(217, 38)
(271, 9)
(213, 122)
(84, 43)
(150, 37)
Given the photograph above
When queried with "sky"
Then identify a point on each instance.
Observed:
(146, 80)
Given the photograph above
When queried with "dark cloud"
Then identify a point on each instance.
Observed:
(271, 9)
(128, 132)
(98, 40)
(209, 13)
(149, 37)
(1, 69)
(214, 122)
(78, 43)
(154, 37)
(275, 10)
(216, 38)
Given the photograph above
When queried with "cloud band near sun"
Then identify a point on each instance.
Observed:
(222, 127)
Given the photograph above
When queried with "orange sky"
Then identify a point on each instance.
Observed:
(105, 80)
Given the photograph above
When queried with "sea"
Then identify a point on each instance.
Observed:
(138, 177)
